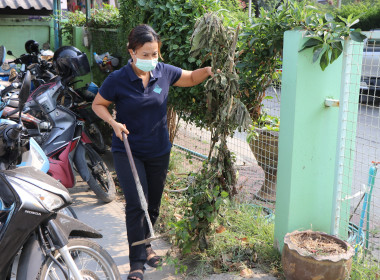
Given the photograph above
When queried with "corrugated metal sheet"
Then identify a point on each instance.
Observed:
(27, 4)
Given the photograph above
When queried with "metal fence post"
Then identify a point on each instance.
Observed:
(348, 108)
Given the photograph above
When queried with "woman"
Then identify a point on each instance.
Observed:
(140, 92)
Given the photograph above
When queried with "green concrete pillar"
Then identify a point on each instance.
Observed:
(51, 34)
(307, 142)
(78, 33)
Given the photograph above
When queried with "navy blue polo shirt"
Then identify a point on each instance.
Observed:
(142, 110)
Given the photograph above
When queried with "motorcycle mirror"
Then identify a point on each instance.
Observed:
(24, 91)
(9, 53)
(2, 55)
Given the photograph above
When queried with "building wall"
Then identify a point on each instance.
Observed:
(16, 30)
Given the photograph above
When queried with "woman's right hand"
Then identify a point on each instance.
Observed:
(119, 128)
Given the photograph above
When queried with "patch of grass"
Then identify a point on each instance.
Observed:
(242, 237)
(363, 267)
(182, 162)
(172, 203)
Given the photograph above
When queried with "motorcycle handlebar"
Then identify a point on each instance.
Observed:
(25, 59)
(12, 132)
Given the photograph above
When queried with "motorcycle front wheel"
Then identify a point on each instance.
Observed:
(92, 260)
(101, 181)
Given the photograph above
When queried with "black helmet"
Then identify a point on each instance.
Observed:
(31, 46)
(70, 62)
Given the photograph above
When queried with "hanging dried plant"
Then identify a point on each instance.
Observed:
(225, 113)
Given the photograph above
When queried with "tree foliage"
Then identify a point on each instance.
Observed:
(368, 11)
(105, 17)
(262, 42)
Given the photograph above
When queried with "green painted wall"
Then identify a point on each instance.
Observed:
(15, 31)
(307, 143)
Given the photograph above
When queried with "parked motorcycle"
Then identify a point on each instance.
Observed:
(33, 156)
(66, 143)
(60, 131)
(78, 100)
(29, 221)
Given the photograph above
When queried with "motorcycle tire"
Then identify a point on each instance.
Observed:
(93, 132)
(69, 211)
(101, 181)
(92, 260)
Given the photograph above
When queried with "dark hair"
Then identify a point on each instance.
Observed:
(142, 34)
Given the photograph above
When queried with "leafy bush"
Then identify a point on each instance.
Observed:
(262, 43)
(71, 20)
(237, 11)
(107, 17)
(367, 11)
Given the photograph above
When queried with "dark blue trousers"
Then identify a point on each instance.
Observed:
(152, 173)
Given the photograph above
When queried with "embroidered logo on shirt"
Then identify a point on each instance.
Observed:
(157, 89)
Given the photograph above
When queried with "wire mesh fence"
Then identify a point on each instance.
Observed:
(359, 197)
(256, 160)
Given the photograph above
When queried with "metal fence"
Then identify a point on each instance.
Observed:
(256, 162)
(359, 196)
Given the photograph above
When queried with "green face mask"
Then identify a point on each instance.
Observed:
(146, 65)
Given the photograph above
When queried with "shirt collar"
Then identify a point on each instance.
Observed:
(155, 74)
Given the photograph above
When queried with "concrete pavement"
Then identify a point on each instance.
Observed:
(109, 219)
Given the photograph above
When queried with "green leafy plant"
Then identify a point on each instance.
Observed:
(367, 10)
(105, 17)
(325, 36)
(71, 20)
(260, 48)
(260, 52)
(264, 122)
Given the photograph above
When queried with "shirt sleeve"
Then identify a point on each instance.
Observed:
(107, 89)
(173, 73)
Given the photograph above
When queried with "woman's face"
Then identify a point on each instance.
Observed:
(148, 51)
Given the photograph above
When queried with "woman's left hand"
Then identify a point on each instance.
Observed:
(209, 71)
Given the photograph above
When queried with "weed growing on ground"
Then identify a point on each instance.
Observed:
(363, 267)
(241, 237)
(244, 239)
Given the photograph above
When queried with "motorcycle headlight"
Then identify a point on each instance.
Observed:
(49, 200)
